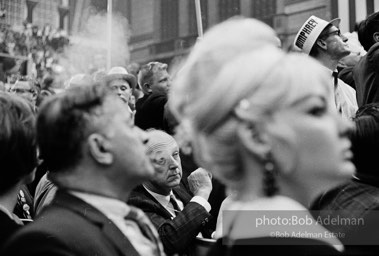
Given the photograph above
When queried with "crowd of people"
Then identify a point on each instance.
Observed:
(31, 47)
(246, 150)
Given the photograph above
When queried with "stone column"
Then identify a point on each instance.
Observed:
(63, 11)
(30, 4)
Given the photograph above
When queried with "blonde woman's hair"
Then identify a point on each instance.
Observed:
(219, 46)
(250, 87)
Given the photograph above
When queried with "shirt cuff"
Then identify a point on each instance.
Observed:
(202, 202)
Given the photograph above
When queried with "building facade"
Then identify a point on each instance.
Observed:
(38, 12)
(164, 29)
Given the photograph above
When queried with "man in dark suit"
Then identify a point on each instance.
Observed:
(358, 199)
(18, 157)
(177, 215)
(95, 156)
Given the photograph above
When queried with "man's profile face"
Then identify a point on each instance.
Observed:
(161, 81)
(167, 166)
(122, 88)
(337, 43)
(24, 89)
(127, 142)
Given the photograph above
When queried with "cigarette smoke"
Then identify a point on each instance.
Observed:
(87, 51)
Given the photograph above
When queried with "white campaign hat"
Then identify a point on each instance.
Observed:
(310, 31)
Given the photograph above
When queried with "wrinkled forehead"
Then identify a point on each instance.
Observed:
(160, 141)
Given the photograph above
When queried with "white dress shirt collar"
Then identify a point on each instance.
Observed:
(165, 201)
(108, 206)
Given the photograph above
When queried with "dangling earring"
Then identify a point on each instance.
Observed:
(270, 187)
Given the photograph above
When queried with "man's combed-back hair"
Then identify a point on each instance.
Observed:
(65, 121)
(366, 29)
(146, 73)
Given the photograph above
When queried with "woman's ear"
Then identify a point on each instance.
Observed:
(255, 140)
(284, 149)
(272, 139)
(99, 149)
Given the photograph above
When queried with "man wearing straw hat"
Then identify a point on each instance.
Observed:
(121, 82)
(323, 41)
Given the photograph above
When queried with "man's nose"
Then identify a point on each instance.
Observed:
(143, 135)
(344, 38)
(174, 163)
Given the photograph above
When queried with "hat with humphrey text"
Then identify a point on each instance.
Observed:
(310, 31)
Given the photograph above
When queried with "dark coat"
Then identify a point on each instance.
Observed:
(8, 227)
(356, 199)
(366, 77)
(177, 234)
(150, 111)
(70, 226)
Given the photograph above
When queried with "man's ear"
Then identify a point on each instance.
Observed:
(321, 43)
(99, 149)
(34, 95)
(255, 140)
(375, 36)
(147, 87)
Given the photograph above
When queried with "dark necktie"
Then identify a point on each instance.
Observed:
(335, 80)
(174, 203)
(142, 221)
(335, 76)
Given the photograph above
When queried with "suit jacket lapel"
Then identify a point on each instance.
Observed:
(157, 205)
(180, 192)
(110, 230)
